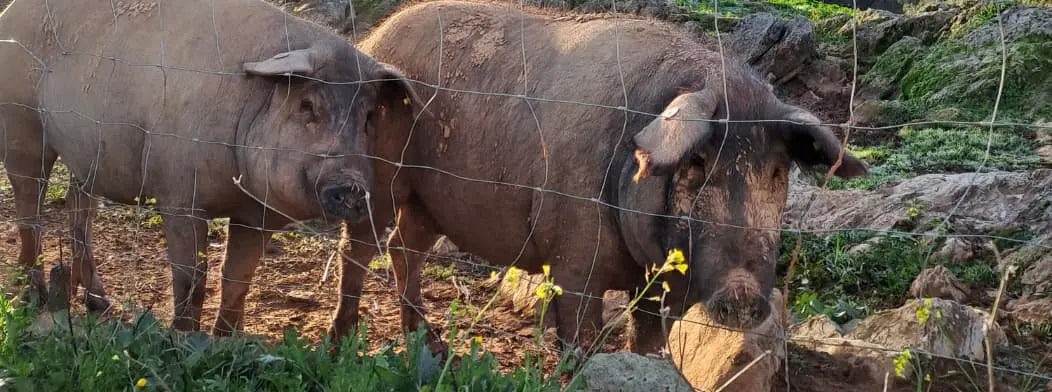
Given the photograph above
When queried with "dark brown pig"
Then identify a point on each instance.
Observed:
(213, 109)
(547, 180)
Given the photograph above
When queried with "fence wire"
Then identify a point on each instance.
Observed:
(544, 193)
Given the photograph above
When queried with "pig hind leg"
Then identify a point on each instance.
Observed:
(28, 162)
(82, 211)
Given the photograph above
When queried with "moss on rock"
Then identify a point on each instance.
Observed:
(960, 79)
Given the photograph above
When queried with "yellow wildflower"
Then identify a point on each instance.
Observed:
(141, 383)
(478, 340)
(675, 256)
(682, 268)
(547, 269)
(664, 285)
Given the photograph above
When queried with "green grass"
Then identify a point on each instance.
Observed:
(111, 356)
(811, 9)
(831, 279)
(439, 271)
(956, 82)
(936, 150)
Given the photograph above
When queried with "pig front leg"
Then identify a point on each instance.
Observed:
(187, 238)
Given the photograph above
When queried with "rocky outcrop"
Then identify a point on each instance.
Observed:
(937, 327)
(994, 200)
(776, 47)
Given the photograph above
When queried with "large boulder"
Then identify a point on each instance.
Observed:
(778, 48)
(709, 355)
(995, 200)
(1016, 22)
(625, 371)
(881, 81)
(934, 326)
(878, 30)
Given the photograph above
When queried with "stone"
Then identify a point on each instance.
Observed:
(1017, 22)
(950, 329)
(517, 291)
(878, 113)
(626, 371)
(777, 48)
(1037, 311)
(878, 30)
(816, 327)
(58, 288)
(881, 81)
(1036, 278)
(996, 200)
(956, 250)
(708, 356)
(444, 246)
(938, 282)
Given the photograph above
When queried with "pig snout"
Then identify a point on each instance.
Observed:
(346, 201)
(739, 306)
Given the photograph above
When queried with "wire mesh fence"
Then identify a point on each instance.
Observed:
(298, 285)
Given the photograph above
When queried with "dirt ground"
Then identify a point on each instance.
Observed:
(287, 291)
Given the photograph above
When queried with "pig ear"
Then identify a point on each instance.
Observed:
(664, 142)
(395, 86)
(811, 144)
(298, 62)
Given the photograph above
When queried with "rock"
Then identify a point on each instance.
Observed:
(300, 297)
(709, 356)
(444, 246)
(825, 79)
(625, 371)
(877, 113)
(1037, 311)
(864, 247)
(996, 200)
(58, 288)
(517, 291)
(1017, 22)
(951, 329)
(614, 305)
(878, 30)
(938, 282)
(650, 8)
(1036, 278)
(1043, 142)
(345, 16)
(338, 14)
(881, 81)
(956, 250)
(914, 7)
(884, 5)
(777, 48)
(816, 327)
(1044, 153)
